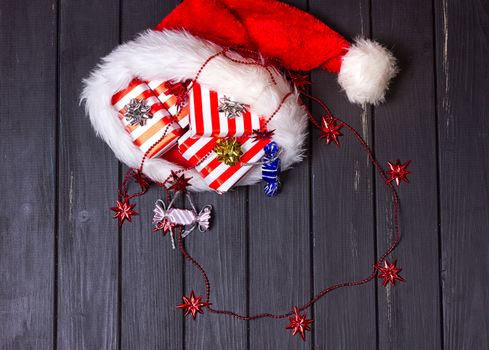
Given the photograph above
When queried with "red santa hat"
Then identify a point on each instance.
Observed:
(299, 40)
(199, 29)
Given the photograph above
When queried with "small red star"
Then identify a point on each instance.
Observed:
(389, 272)
(330, 131)
(299, 324)
(262, 134)
(124, 211)
(179, 90)
(192, 305)
(299, 79)
(179, 183)
(165, 226)
(398, 172)
(143, 181)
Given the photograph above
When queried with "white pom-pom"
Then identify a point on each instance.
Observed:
(366, 71)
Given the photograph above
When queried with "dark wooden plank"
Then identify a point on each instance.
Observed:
(88, 240)
(405, 129)
(342, 203)
(463, 82)
(279, 255)
(279, 258)
(222, 252)
(27, 170)
(151, 284)
(151, 270)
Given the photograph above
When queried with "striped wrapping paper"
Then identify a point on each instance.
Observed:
(217, 175)
(169, 101)
(148, 137)
(206, 120)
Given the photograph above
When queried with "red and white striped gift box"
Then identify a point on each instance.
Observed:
(206, 120)
(160, 133)
(161, 89)
(217, 175)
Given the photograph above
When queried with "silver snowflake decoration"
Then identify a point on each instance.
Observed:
(232, 109)
(137, 112)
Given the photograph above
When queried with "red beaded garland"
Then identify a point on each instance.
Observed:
(330, 128)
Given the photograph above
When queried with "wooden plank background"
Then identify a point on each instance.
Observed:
(70, 279)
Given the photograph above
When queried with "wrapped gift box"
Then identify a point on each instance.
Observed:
(162, 90)
(211, 114)
(217, 175)
(156, 134)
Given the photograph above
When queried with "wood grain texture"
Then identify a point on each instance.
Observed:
(279, 258)
(151, 271)
(462, 35)
(88, 239)
(69, 281)
(405, 129)
(222, 252)
(280, 273)
(342, 203)
(27, 170)
(151, 284)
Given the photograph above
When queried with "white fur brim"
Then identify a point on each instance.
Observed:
(366, 71)
(177, 56)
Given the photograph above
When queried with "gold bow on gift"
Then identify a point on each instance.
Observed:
(228, 151)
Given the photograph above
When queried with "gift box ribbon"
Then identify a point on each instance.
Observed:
(217, 175)
(160, 132)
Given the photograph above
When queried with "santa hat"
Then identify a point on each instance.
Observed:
(199, 29)
(299, 40)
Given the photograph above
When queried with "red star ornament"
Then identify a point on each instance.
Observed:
(330, 131)
(179, 90)
(165, 226)
(124, 211)
(389, 272)
(299, 324)
(143, 181)
(193, 305)
(262, 134)
(398, 172)
(179, 183)
(299, 79)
